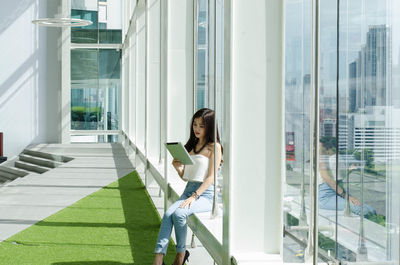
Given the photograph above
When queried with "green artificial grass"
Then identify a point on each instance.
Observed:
(118, 224)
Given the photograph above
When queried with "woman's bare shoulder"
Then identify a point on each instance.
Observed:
(210, 147)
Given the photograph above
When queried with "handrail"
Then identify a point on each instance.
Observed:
(1, 144)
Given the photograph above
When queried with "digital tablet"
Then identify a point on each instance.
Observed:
(178, 151)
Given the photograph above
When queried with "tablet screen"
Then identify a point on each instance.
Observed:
(178, 151)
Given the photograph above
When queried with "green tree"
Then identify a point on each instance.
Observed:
(329, 142)
(368, 157)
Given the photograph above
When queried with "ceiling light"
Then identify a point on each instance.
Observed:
(62, 22)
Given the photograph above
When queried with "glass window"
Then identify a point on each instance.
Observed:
(95, 83)
(368, 159)
(209, 60)
(202, 53)
(359, 158)
(106, 18)
(87, 34)
(297, 128)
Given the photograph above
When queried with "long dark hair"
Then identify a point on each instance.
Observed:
(208, 117)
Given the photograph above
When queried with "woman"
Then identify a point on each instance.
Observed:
(327, 193)
(199, 192)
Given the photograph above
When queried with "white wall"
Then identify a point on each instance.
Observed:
(114, 20)
(29, 75)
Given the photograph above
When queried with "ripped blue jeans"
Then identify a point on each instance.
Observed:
(176, 216)
(327, 201)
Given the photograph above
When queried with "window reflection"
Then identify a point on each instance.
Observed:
(358, 127)
(106, 18)
(297, 126)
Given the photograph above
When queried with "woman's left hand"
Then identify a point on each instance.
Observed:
(188, 201)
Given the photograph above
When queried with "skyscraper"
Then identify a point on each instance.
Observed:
(369, 77)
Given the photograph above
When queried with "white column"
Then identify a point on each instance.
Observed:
(132, 86)
(140, 80)
(176, 71)
(256, 151)
(153, 79)
(125, 68)
(125, 89)
(164, 88)
(66, 76)
(180, 65)
(275, 147)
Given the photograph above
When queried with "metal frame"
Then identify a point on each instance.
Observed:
(161, 89)
(312, 244)
(213, 26)
(226, 190)
(195, 39)
(164, 88)
(146, 28)
(315, 89)
(211, 53)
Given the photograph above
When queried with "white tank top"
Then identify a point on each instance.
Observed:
(199, 170)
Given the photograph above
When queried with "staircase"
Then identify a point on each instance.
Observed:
(30, 162)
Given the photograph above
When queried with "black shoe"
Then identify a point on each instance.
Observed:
(186, 258)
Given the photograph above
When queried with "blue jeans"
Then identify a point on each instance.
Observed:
(327, 201)
(176, 216)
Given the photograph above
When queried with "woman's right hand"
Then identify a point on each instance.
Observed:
(354, 201)
(178, 166)
(176, 163)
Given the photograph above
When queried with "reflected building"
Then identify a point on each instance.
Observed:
(298, 119)
(370, 103)
(377, 130)
(369, 74)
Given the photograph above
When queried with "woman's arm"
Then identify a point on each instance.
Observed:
(324, 171)
(179, 167)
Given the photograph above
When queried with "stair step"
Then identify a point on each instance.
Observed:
(58, 158)
(8, 176)
(31, 167)
(42, 162)
(14, 170)
(2, 183)
(3, 179)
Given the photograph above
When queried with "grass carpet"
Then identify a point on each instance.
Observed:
(115, 225)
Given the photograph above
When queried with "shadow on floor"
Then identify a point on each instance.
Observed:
(138, 206)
